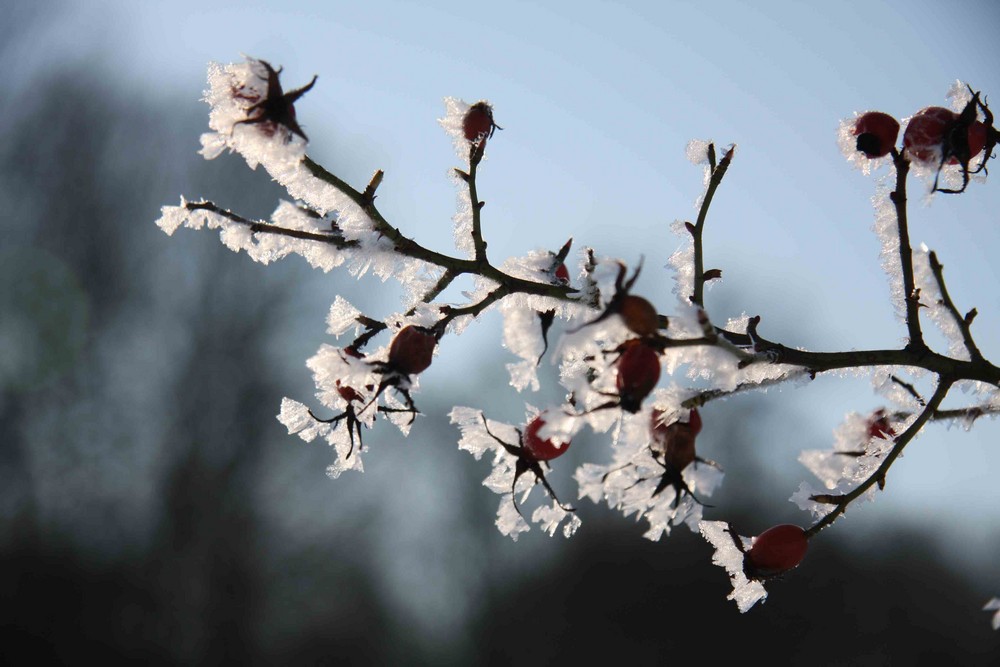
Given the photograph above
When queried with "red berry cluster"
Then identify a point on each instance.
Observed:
(934, 136)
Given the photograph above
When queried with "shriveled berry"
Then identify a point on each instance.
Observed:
(639, 315)
(876, 133)
(536, 449)
(412, 350)
(638, 372)
(776, 550)
(478, 123)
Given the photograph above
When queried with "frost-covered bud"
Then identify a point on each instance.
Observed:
(412, 350)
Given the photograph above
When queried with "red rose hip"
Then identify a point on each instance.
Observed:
(925, 133)
(638, 372)
(876, 133)
(412, 350)
(478, 123)
(776, 550)
(535, 448)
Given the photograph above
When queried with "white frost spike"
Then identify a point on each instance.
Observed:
(932, 298)
(994, 605)
(746, 593)
(455, 111)
(630, 481)
(697, 151)
(342, 316)
(478, 441)
(296, 418)
(887, 229)
(261, 246)
(855, 456)
(959, 95)
(682, 263)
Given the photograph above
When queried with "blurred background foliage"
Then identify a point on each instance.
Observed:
(153, 510)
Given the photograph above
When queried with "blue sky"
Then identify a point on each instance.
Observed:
(598, 100)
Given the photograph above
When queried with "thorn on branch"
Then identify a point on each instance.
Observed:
(461, 174)
(690, 227)
(827, 499)
(712, 274)
(969, 316)
(910, 389)
(369, 194)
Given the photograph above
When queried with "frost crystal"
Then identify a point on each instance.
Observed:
(746, 593)
(887, 230)
(858, 450)
(682, 263)
(933, 300)
(477, 440)
(454, 117)
(637, 482)
(994, 605)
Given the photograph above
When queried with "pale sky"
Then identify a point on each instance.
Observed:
(597, 101)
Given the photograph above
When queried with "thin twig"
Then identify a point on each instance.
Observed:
(718, 173)
(962, 322)
(878, 475)
(910, 297)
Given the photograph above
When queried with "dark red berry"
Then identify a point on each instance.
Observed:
(676, 440)
(876, 133)
(639, 315)
(776, 550)
(638, 372)
(977, 138)
(478, 123)
(412, 350)
(925, 134)
(879, 426)
(536, 449)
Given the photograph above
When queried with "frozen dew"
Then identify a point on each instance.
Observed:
(630, 482)
(886, 228)
(453, 123)
(682, 263)
(476, 440)
(933, 301)
(746, 593)
(296, 418)
(342, 317)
